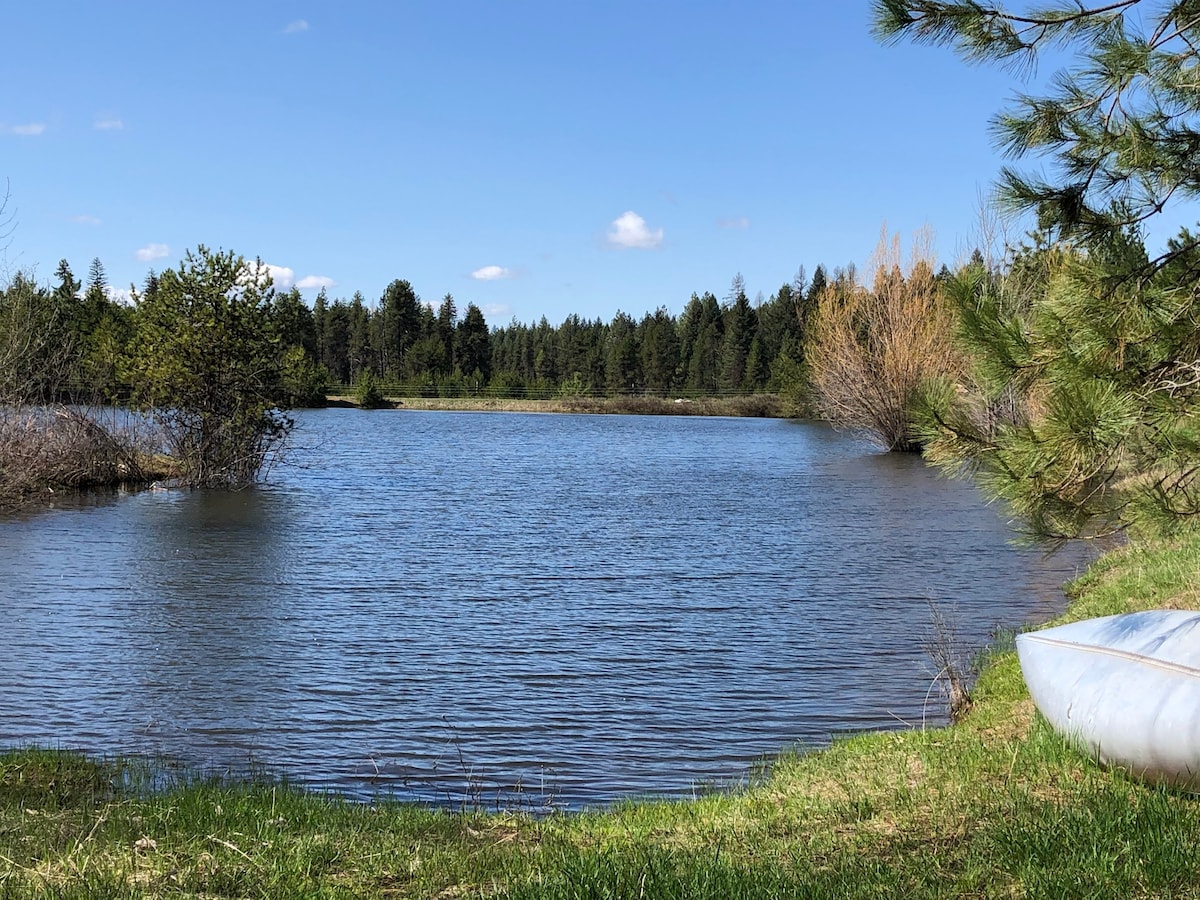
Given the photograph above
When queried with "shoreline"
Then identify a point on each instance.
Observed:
(997, 805)
(751, 405)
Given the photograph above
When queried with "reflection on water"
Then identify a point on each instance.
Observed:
(586, 607)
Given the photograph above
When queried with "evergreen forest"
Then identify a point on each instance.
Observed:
(411, 347)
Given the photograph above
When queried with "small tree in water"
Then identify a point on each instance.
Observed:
(209, 367)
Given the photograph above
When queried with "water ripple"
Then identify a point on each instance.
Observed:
(460, 605)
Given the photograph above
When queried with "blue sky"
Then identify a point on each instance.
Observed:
(535, 158)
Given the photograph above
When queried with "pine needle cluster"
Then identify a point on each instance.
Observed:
(1119, 131)
(1081, 406)
(1081, 411)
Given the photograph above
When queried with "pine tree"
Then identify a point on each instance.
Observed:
(741, 325)
(623, 363)
(68, 285)
(97, 278)
(320, 316)
(1120, 129)
(447, 320)
(294, 323)
(208, 367)
(702, 330)
(1087, 350)
(660, 351)
(472, 346)
(335, 342)
(358, 327)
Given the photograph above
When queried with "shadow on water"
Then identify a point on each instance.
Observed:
(211, 599)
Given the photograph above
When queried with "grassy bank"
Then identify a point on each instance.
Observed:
(753, 405)
(997, 806)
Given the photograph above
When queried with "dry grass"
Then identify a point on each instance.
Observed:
(46, 449)
(751, 405)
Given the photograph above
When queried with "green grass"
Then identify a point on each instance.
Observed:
(998, 806)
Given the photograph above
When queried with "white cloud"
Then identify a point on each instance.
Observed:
(494, 311)
(315, 282)
(111, 124)
(281, 276)
(32, 129)
(740, 222)
(86, 220)
(124, 296)
(296, 27)
(629, 231)
(492, 273)
(151, 252)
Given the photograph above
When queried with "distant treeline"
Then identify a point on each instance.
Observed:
(409, 347)
(714, 347)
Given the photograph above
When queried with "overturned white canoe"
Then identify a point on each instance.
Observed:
(1126, 687)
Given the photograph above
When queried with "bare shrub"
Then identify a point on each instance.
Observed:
(46, 446)
(49, 448)
(955, 675)
(35, 351)
(872, 350)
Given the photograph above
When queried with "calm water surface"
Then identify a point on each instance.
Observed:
(571, 608)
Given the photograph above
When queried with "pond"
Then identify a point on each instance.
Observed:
(510, 608)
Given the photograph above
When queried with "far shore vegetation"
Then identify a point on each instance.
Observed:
(739, 406)
(1061, 371)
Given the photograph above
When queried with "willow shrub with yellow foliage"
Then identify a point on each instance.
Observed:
(871, 350)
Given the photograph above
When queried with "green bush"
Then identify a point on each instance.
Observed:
(366, 391)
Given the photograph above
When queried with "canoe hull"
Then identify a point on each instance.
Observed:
(1127, 688)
